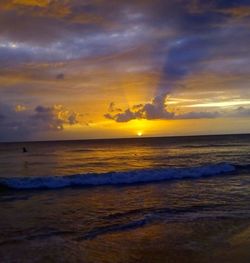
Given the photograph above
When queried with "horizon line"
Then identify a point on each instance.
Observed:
(133, 138)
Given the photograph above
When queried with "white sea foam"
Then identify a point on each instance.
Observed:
(116, 178)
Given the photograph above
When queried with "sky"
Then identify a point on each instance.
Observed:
(82, 69)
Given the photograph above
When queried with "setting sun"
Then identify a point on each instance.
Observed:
(139, 134)
(113, 114)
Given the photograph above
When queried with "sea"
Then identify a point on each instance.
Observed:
(171, 199)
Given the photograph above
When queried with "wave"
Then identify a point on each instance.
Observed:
(119, 227)
(116, 178)
(141, 217)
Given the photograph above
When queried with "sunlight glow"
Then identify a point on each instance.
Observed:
(221, 104)
(139, 133)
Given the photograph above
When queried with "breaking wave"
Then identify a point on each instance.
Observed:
(116, 178)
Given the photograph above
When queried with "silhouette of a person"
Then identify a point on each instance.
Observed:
(24, 150)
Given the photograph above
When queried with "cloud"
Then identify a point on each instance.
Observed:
(157, 109)
(20, 122)
(1, 117)
(153, 110)
(46, 118)
(125, 116)
(182, 36)
(198, 115)
(40, 3)
(152, 46)
(52, 118)
(238, 12)
(112, 108)
(241, 112)
(20, 107)
(60, 76)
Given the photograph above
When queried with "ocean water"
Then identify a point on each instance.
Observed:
(179, 199)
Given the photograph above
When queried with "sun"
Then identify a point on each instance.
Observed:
(139, 134)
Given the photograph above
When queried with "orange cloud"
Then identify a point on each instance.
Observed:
(42, 8)
(239, 12)
(20, 108)
(40, 3)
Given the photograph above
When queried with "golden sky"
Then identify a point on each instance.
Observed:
(77, 69)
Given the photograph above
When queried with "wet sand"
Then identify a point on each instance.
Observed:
(215, 240)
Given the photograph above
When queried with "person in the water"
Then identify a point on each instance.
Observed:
(24, 150)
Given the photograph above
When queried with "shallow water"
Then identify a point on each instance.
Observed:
(202, 219)
(99, 156)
